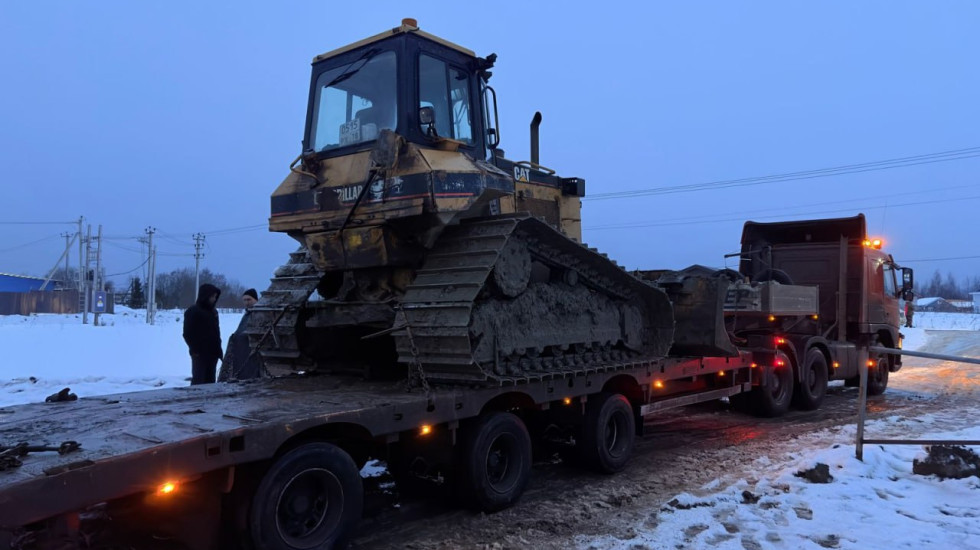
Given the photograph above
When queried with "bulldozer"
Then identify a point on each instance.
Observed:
(423, 249)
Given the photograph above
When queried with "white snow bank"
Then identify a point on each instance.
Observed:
(878, 503)
(41, 354)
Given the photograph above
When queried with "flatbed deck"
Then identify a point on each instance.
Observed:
(133, 442)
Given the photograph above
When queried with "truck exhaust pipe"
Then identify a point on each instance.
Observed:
(535, 122)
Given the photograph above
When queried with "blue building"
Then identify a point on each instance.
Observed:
(23, 283)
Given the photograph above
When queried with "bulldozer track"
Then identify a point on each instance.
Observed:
(467, 317)
(450, 288)
(272, 327)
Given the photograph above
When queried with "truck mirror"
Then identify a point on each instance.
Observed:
(907, 279)
(427, 119)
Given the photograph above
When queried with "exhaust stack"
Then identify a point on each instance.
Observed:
(535, 122)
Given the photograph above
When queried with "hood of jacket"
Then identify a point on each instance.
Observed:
(205, 292)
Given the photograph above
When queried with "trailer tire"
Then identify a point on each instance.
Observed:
(878, 374)
(495, 462)
(310, 498)
(608, 433)
(812, 388)
(774, 398)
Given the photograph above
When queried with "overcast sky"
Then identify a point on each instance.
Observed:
(184, 117)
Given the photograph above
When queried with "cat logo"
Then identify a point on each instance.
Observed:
(348, 193)
(522, 174)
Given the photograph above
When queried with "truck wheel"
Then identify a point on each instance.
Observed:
(310, 498)
(878, 374)
(496, 462)
(608, 433)
(812, 388)
(774, 398)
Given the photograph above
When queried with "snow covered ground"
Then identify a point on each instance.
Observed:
(41, 354)
(877, 503)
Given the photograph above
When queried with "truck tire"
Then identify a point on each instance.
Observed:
(812, 387)
(495, 462)
(608, 433)
(310, 498)
(878, 374)
(774, 398)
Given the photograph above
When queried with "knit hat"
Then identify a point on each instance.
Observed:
(251, 292)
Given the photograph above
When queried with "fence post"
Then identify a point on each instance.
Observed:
(862, 400)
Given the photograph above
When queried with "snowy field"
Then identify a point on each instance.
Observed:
(877, 503)
(41, 354)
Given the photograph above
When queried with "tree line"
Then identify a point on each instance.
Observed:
(947, 287)
(176, 290)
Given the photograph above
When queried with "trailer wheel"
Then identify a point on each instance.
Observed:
(310, 498)
(496, 462)
(812, 388)
(878, 374)
(774, 398)
(608, 433)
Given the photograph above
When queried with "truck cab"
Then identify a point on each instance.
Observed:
(859, 285)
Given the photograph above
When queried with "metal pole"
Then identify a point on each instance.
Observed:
(98, 270)
(81, 258)
(85, 285)
(149, 277)
(198, 245)
(66, 235)
(55, 268)
(153, 317)
(896, 351)
(862, 400)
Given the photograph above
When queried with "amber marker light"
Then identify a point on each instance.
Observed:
(871, 362)
(567, 401)
(167, 488)
(659, 384)
(836, 364)
(721, 373)
(815, 317)
(772, 318)
(754, 365)
(425, 429)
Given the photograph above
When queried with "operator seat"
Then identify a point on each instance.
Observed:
(373, 119)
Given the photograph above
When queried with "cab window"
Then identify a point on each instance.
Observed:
(446, 90)
(354, 102)
(891, 288)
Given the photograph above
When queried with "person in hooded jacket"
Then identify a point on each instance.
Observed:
(239, 362)
(202, 334)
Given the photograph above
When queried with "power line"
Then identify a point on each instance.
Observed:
(904, 261)
(783, 209)
(40, 223)
(131, 270)
(689, 221)
(48, 238)
(945, 156)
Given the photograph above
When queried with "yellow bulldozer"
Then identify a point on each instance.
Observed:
(422, 249)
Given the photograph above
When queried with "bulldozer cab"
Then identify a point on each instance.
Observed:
(422, 87)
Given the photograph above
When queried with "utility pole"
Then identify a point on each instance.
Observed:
(86, 286)
(99, 283)
(153, 286)
(67, 237)
(81, 259)
(198, 245)
(151, 278)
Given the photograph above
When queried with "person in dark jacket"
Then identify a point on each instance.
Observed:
(239, 362)
(202, 334)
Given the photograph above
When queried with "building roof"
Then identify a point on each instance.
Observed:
(10, 282)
